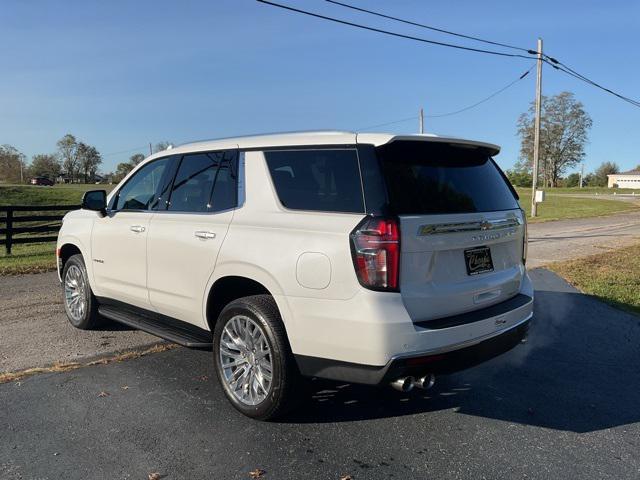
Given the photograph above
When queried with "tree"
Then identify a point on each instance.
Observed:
(122, 170)
(12, 165)
(161, 146)
(564, 129)
(590, 180)
(136, 158)
(45, 165)
(519, 178)
(573, 180)
(605, 168)
(68, 151)
(88, 160)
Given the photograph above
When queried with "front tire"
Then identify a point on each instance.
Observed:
(80, 304)
(253, 358)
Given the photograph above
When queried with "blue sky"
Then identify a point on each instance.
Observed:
(120, 74)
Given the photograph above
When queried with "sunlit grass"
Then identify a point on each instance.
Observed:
(559, 207)
(613, 277)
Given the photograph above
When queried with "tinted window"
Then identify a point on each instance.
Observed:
(425, 177)
(140, 190)
(325, 180)
(162, 195)
(204, 182)
(225, 190)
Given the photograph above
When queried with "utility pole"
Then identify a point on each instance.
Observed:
(581, 174)
(421, 120)
(536, 139)
(150, 149)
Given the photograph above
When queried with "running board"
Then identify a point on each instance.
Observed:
(170, 329)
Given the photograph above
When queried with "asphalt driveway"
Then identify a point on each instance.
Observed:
(563, 405)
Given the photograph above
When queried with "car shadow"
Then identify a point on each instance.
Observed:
(578, 371)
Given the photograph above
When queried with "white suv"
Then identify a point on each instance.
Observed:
(366, 258)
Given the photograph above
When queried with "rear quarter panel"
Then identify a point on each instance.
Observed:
(266, 241)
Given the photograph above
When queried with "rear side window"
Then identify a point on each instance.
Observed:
(326, 180)
(433, 178)
(205, 182)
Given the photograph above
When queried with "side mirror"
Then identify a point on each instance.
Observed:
(95, 200)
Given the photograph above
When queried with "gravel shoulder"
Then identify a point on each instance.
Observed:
(35, 332)
(570, 239)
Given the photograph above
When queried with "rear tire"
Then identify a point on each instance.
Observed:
(253, 358)
(80, 304)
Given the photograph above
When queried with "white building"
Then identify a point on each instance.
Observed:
(630, 179)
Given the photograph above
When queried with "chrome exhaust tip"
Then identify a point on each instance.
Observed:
(426, 382)
(403, 384)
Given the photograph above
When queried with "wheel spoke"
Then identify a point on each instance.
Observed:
(245, 360)
(75, 292)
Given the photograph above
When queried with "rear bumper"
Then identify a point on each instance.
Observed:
(456, 358)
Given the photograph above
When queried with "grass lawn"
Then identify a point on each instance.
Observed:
(56, 195)
(36, 257)
(591, 190)
(29, 258)
(613, 277)
(558, 207)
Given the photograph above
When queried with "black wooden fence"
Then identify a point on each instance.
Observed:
(26, 224)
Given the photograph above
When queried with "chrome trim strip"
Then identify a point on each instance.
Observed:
(477, 226)
(466, 343)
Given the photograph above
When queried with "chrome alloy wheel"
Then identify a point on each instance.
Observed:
(245, 359)
(75, 294)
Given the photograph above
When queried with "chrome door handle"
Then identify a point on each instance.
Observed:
(204, 234)
(137, 228)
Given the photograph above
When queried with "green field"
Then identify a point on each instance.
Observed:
(37, 257)
(559, 206)
(613, 277)
(591, 190)
(57, 195)
(30, 258)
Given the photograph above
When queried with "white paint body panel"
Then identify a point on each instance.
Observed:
(119, 257)
(302, 258)
(180, 263)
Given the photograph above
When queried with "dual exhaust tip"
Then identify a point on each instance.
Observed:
(406, 384)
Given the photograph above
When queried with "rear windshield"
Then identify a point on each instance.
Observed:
(322, 180)
(433, 178)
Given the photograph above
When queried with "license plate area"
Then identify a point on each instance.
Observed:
(478, 260)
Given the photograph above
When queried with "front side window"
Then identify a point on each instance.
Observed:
(326, 180)
(140, 190)
(205, 182)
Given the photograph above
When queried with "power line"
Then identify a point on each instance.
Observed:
(393, 34)
(388, 123)
(558, 65)
(124, 151)
(486, 99)
(429, 27)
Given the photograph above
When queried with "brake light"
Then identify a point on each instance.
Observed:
(375, 247)
(525, 239)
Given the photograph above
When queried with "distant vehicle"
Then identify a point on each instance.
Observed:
(367, 258)
(44, 181)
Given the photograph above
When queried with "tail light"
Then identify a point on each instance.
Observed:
(375, 247)
(525, 239)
